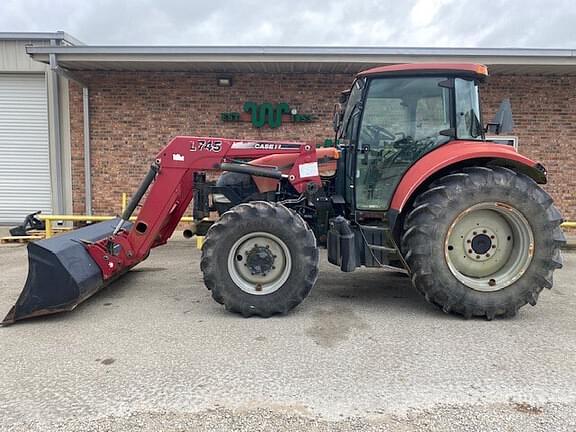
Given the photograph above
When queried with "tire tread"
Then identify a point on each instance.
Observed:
(422, 226)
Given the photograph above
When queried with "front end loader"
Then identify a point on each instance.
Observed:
(412, 186)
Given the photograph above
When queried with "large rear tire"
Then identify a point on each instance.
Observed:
(483, 242)
(259, 259)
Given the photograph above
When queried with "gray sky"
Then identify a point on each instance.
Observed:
(450, 23)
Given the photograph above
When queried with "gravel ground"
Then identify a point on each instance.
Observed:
(364, 352)
(493, 417)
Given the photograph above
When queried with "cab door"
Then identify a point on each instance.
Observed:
(347, 135)
(402, 119)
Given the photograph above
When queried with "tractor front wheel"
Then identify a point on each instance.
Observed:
(483, 242)
(259, 259)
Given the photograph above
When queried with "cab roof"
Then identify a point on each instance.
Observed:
(474, 69)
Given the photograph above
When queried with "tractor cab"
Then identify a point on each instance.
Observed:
(393, 115)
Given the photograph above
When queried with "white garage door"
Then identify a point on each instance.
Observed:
(24, 159)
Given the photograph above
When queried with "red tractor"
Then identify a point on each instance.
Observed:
(412, 186)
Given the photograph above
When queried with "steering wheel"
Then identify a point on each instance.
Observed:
(375, 130)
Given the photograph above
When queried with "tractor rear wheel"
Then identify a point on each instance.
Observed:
(260, 259)
(483, 242)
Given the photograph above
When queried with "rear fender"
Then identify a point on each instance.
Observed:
(453, 155)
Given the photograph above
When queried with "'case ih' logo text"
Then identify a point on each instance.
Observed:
(265, 146)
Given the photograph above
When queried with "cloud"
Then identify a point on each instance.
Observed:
(452, 23)
(424, 11)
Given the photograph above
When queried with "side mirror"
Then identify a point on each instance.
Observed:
(344, 97)
(502, 121)
(492, 128)
(337, 117)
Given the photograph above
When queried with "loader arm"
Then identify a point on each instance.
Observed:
(171, 188)
(66, 270)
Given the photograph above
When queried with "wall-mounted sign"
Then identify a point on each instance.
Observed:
(266, 113)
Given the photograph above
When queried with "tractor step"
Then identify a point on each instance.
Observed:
(352, 245)
(382, 248)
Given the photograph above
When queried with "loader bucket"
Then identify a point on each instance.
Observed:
(61, 273)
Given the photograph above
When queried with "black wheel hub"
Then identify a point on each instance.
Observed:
(260, 260)
(481, 244)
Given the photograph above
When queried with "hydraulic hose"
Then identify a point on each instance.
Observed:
(137, 197)
(252, 170)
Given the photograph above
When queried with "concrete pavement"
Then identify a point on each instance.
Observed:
(363, 352)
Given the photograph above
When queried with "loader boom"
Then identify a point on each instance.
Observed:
(171, 181)
(65, 271)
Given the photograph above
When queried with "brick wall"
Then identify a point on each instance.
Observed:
(544, 111)
(134, 114)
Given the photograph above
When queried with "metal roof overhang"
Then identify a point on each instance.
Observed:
(62, 37)
(275, 59)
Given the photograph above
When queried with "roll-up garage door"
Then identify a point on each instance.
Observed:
(24, 158)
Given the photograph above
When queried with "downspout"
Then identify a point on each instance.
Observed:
(86, 132)
(55, 108)
(87, 159)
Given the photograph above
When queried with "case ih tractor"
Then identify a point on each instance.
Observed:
(412, 186)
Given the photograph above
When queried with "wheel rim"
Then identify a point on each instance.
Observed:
(259, 263)
(489, 246)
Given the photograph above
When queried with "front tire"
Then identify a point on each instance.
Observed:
(260, 259)
(483, 242)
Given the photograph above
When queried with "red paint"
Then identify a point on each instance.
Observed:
(448, 154)
(284, 162)
(109, 264)
(170, 194)
(466, 68)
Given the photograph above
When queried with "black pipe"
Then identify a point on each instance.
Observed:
(135, 200)
(252, 170)
(137, 197)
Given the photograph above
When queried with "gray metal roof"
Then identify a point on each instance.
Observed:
(60, 36)
(300, 59)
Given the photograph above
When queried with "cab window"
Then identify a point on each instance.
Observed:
(468, 123)
(403, 119)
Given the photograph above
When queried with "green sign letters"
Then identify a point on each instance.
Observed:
(266, 114)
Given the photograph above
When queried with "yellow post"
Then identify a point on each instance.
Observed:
(199, 242)
(124, 201)
(48, 228)
(569, 225)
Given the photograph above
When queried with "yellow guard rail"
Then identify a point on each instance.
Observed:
(49, 219)
(85, 218)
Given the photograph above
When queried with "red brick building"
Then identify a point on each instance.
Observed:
(140, 97)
